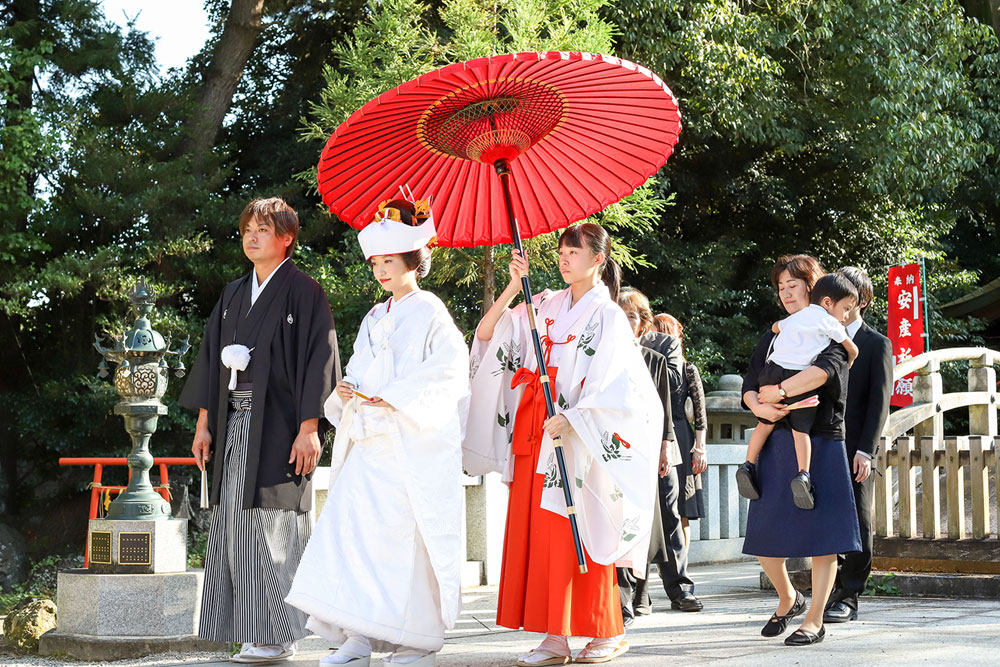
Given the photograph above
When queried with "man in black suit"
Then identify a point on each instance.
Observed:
(868, 391)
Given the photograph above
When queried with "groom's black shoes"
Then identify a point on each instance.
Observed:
(840, 611)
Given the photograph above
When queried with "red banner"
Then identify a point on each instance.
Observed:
(906, 324)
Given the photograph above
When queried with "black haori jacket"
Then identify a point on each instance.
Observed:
(293, 366)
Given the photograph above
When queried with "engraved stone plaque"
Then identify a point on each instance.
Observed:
(100, 547)
(135, 549)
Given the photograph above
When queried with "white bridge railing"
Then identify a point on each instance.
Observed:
(936, 500)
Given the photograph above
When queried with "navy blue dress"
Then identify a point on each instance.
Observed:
(775, 526)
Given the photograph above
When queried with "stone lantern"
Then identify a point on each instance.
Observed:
(137, 596)
(140, 377)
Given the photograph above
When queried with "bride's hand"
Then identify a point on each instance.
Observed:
(345, 390)
(377, 402)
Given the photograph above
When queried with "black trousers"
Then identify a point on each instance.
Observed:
(853, 568)
(673, 571)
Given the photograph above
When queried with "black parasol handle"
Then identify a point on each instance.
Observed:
(502, 167)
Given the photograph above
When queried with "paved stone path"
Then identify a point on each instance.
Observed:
(891, 631)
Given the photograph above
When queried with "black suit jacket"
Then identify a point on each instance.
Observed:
(869, 388)
(657, 365)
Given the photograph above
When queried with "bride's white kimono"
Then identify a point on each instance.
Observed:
(604, 389)
(384, 558)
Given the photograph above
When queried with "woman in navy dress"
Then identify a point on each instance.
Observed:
(776, 528)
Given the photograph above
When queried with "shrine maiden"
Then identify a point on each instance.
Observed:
(610, 420)
(382, 570)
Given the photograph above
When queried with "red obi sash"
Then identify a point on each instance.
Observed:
(531, 412)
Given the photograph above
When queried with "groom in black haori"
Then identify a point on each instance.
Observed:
(267, 363)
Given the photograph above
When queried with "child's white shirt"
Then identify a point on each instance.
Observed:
(803, 335)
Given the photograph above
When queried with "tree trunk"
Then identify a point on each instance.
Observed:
(20, 103)
(489, 278)
(223, 75)
(986, 11)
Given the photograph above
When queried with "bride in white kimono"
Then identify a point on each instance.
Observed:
(382, 570)
(610, 420)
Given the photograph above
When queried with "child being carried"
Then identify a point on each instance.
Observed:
(801, 337)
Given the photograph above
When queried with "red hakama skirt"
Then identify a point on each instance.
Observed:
(541, 588)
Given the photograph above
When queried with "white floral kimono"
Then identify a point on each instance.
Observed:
(384, 559)
(604, 389)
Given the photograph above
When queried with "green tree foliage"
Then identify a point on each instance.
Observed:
(94, 195)
(861, 131)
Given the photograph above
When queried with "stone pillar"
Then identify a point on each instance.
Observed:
(719, 536)
(485, 521)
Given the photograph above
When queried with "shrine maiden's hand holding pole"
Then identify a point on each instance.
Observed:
(266, 365)
(383, 569)
(610, 419)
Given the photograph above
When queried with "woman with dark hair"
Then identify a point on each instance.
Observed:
(691, 443)
(381, 572)
(776, 528)
(609, 420)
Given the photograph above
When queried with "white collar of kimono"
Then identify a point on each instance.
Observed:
(570, 313)
(256, 289)
(385, 307)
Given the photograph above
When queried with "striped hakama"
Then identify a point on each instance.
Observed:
(251, 556)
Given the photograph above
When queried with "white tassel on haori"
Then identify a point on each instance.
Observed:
(236, 358)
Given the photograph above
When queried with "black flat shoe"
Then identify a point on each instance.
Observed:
(839, 612)
(746, 481)
(778, 624)
(687, 602)
(804, 638)
(802, 491)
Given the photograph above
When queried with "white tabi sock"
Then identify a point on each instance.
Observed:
(356, 646)
(552, 646)
(404, 655)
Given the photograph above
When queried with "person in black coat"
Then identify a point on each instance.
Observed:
(869, 388)
(267, 362)
(671, 560)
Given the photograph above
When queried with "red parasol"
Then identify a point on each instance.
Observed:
(586, 130)
(575, 131)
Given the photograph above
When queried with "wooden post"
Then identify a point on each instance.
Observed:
(930, 496)
(996, 475)
(983, 378)
(883, 491)
(907, 488)
(955, 486)
(928, 388)
(980, 475)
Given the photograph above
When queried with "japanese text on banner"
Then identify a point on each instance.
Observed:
(906, 324)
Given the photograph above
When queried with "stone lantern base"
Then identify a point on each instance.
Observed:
(121, 546)
(117, 616)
